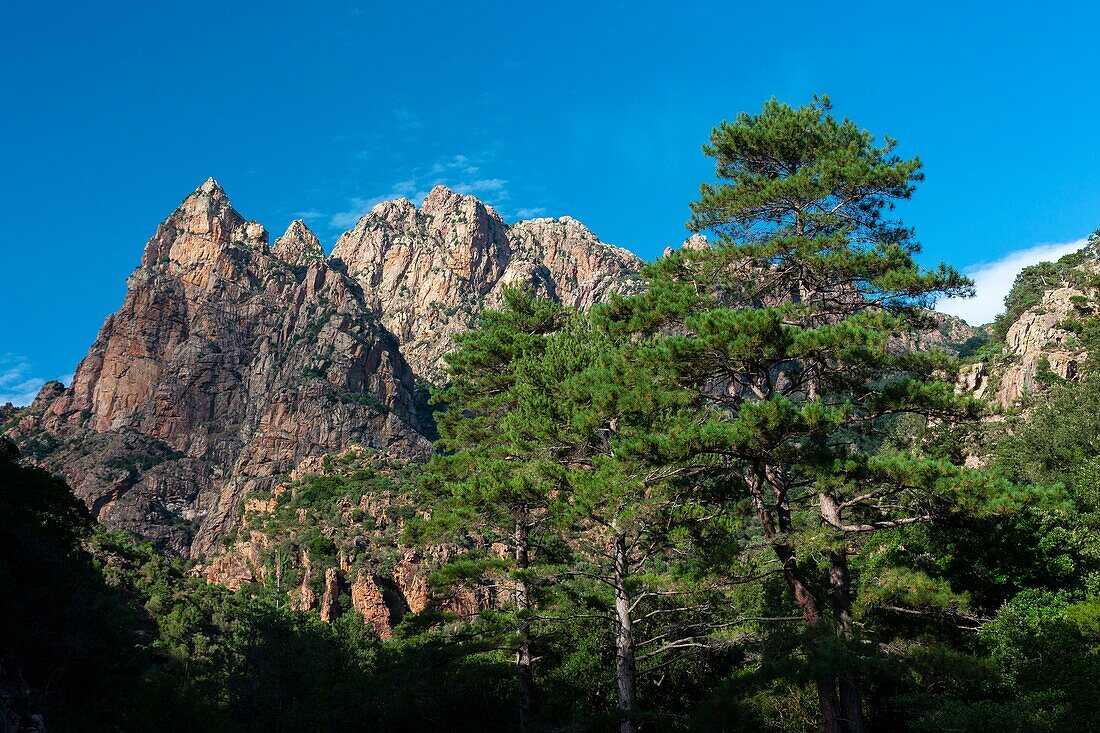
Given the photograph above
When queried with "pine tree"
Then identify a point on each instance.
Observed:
(591, 409)
(791, 330)
(486, 481)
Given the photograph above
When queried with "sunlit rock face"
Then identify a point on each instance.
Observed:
(228, 363)
(232, 360)
(430, 272)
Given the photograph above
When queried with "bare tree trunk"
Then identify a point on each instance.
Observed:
(525, 678)
(626, 671)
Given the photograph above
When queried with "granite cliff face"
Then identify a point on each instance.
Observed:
(430, 271)
(1042, 341)
(227, 364)
(1048, 341)
(231, 360)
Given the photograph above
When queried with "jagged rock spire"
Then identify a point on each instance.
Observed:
(431, 271)
(202, 225)
(299, 245)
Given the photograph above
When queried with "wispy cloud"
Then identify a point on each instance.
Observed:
(17, 385)
(530, 213)
(308, 215)
(993, 280)
(360, 206)
(407, 119)
(457, 163)
(457, 172)
(483, 187)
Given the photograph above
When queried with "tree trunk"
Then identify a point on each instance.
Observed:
(525, 678)
(832, 713)
(851, 696)
(828, 699)
(626, 671)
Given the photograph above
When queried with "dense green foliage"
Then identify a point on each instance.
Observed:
(103, 635)
(738, 500)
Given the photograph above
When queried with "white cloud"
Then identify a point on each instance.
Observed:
(308, 215)
(347, 219)
(17, 385)
(484, 186)
(993, 280)
(530, 213)
(459, 163)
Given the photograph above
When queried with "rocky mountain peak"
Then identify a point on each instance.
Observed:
(298, 245)
(430, 272)
(204, 224)
(49, 392)
(398, 213)
(439, 198)
(206, 204)
(212, 188)
(443, 203)
(222, 369)
(696, 242)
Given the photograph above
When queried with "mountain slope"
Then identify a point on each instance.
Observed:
(224, 367)
(232, 361)
(1047, 332)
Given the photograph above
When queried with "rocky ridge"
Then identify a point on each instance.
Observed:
(330, 538)
(429, 272)
(1040, 342)
(231, 360)
(1046, 342)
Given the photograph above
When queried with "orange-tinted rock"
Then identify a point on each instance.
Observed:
(231, 362)
(412, 583)
(330, 603)
(367, 599)
(223, 368)
(303, 598)
(231, 570)
(298, 246)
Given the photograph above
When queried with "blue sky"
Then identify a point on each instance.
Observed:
(113, 112)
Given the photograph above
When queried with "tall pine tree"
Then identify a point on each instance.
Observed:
(792, 329)
(613, 433)
(486, 480)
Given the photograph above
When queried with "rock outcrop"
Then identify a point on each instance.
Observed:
(1042, 341)
(225, 367)
(368, 600)
(330, 601)
(298, 245)
(429, 272)
(352, 506)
